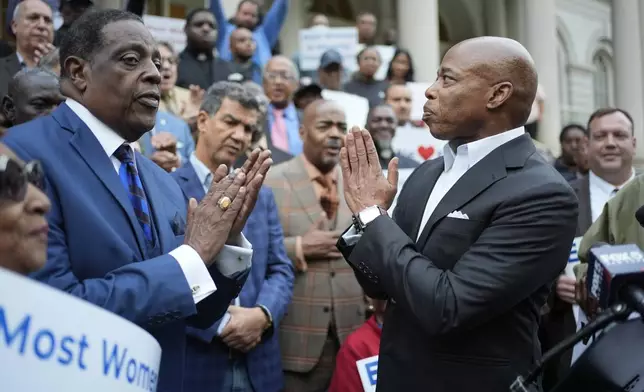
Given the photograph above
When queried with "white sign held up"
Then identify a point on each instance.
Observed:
(368, 370)
(50, 340)
(317, 40)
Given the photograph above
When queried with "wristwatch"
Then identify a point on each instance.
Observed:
(366, 216)
(269, 317)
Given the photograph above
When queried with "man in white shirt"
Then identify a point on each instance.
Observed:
(611, 148)
(477, 236)
(117, 229)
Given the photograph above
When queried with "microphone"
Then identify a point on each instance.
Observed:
(616, 273)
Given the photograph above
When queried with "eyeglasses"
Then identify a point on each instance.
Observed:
(14, 178)
(273, 75)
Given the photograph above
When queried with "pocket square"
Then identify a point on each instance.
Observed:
(457, 215)
(178, 225)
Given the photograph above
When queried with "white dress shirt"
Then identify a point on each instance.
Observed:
(456, 165)
(600, 192)
(193, 267)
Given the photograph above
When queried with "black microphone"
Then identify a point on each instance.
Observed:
(616, 273)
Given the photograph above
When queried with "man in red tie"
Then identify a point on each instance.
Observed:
(280, 82)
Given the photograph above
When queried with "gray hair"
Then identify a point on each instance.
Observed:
(16, 11)
(50, 60)
(234, 91)
(294, 70)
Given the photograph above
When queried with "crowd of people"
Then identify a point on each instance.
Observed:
(203, 195)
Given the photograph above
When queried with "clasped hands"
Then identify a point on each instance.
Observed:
(364, 183)
(165, 155)
(245, 328)
(216, 221)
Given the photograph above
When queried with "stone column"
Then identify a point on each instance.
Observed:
(418, 30)
(627, 48)
(515, 19)
(541, 41)
(296, 20)
(496, 18)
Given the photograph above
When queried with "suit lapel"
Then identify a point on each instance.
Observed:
(585, 212)
(88, 147)
(303, 189)
(482, 175)
(344, 216)
(189, 182)
(424, 190)
(12, 64)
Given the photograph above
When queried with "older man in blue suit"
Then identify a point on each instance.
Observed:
(240, 351)
(118, 236)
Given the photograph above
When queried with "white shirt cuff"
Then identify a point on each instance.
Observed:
(234, 259)
(351, 236)
(195, 271)
(222, 323)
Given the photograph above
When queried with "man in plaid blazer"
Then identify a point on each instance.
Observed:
(328, 303)
(239, 352)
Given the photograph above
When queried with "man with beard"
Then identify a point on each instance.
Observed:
(328, 303)
(198, 63)
(118, 236)
(477, 237)
(265, 34)
(381, 123)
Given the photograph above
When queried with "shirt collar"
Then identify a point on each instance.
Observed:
(477, 150)
(21, 60)
(108, 138)
(289, 111)
(603, 185)
(201, 169)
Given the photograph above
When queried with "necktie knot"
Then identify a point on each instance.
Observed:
(124, 154)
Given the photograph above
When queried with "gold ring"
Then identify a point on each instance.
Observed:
(224, 202)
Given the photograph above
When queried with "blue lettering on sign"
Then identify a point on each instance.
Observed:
(372, 371)
(45, 344)
(42, 343)
(117, 363)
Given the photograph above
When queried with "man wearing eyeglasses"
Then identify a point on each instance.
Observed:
(280, 82)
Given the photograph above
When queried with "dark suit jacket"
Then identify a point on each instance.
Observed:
(97, 250)
(9, 66)
(464, 299)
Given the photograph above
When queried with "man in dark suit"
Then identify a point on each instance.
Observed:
(117, 231)
(242, 345)
(466, 273)
(33, 26)
(611, 148)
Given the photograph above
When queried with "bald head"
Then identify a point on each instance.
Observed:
(485, 86)
(32, 93)
(242, 43)
(322, 131)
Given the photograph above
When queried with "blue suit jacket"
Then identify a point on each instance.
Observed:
(96, 246)
(270, 284)
(167, 122)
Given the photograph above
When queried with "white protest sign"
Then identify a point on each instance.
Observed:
(50, 340)
(356, 108)
(403, 175)
(317, 40)
(167, 29)
(417, 143)
(368, 371)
